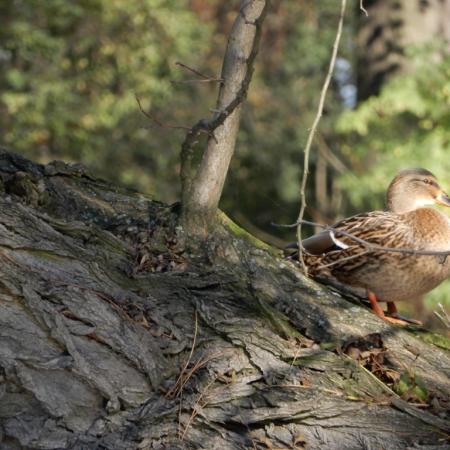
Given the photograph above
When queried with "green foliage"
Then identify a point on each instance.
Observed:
(71, 71)
(407, 125)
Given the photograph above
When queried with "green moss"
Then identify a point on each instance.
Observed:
(84, 233)
(434, 338)
(239, 232)
(280, 323)
(321, 360)
(70, 229)
(47, 254)
(328, 345)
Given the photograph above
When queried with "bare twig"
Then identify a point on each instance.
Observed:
(297, 352)
(286, 386)
(196, 366)
(443, 316)
(156, 120)
(161, 124)
(361, 7)
(195, 408)
(178, 386)
(382, 385)
(196, 72)
(313, 130)
(210, 80)
(186, 377)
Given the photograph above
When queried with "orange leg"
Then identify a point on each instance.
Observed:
(380, 313)
(392, 309)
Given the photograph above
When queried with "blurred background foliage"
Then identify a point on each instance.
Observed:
(70, 71)
(407, 124)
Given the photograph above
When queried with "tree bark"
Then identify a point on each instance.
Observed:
(202, 186)
(114, 337)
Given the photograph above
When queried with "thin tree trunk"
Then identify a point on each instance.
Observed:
(203, 189)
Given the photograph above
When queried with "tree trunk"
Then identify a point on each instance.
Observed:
(113, 337)
(388, 29)
(202, 186)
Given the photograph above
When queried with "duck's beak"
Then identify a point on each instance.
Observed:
(443, 199)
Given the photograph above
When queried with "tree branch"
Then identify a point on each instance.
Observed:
(158, 122)
(313, 130)
(361, 7)
(161, 124)
(203, 78)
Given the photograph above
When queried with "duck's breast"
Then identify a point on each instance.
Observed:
(417, 275)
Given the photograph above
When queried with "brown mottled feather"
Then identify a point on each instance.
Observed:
(391, 276)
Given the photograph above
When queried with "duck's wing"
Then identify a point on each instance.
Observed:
(377, 228)
(370, 225)
(380, 228)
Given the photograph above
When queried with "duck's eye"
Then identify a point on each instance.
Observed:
(426, 181)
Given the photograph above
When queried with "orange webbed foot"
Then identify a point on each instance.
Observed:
(404, 320)
(393, 316)
(395, 321)
(392, 311)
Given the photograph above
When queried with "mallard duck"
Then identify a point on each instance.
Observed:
(408, 223)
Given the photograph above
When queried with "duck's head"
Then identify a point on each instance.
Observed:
(415, 188)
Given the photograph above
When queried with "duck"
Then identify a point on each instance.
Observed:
(408, 223)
